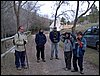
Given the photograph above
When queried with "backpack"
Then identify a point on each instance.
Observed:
(14, 40)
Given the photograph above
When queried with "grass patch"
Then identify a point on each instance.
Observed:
(80, 28)
(92, 56)
(84, 27)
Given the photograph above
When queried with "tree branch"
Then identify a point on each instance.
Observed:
(74, 25)
(34, 5)
(64, 13)
(3, 4)
(9, 8)
(60, 3)
(24, 3)
(15, 8)
(87, 9)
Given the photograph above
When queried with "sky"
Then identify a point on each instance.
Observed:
(48, 9)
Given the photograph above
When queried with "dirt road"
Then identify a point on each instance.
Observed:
(50, 67)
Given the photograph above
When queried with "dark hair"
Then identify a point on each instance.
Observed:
(79, 33)
(40, 29)
(19, 27)
(68, 35)
(55, 27)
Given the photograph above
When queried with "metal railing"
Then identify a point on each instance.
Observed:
(5, 48)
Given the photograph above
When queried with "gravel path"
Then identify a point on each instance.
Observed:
(50, 67)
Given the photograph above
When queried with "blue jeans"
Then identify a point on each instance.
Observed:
(19, 58)
(54, 47)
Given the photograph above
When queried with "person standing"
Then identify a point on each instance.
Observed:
(20, 39)
(67, 51)
(79, 47)
(55, 38)
(40, 40)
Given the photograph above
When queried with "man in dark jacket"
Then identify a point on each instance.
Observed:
(40, 40)
(55, 38)
(79, 47)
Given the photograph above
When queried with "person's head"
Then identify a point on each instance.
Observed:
(55, 28)
(40, 30)
(67, 35)
(21, 29)
(79, 34)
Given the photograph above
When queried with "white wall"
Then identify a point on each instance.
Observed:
(58, 25)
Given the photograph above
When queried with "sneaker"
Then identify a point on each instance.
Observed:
(43, 60)
(69, 68)
(24, 67)
(74, 71)
(66, 69)
(81, 72)
(51, 58)
(19, 68)
(57, 58)
(38, 61)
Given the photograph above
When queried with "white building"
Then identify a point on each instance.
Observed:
(58, 25)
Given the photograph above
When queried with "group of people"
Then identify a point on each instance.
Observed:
(74, 45)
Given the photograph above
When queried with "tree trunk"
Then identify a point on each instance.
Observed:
(17, 21)
(55, 18)
(57, 11)
(76, 18)
(17, 12)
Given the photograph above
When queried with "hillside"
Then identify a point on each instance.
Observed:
(27, 19)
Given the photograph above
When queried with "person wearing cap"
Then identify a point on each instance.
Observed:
(55, 38)
(79, 47)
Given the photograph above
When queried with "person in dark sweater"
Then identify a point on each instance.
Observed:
(55, 38)
(40, 40)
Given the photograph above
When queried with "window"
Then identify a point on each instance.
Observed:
(88, 32)
(95, 31)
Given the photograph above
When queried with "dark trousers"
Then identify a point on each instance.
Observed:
(40, 49)
(19, 58)
(68, 56)
(80, 63)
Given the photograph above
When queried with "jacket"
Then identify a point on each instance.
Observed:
(40, 39)
(20, 41)
(78, 50)
(54, 36)
(67, 46)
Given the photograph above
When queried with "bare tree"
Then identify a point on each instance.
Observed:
(30, 6)
(6, 5)
(17, 8)
(73, 28)
(76, 17)
(65, 13)
(5, 11)
(60, 3)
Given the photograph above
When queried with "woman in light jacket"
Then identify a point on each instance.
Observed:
(67, 51)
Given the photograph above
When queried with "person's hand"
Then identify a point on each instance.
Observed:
(68, 41)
